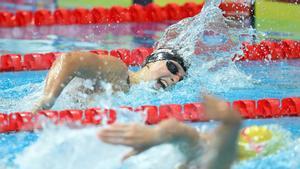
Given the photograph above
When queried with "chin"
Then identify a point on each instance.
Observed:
(157, 86)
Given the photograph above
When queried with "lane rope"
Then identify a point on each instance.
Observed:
(263, 51)
(190, 112)
(115, 14)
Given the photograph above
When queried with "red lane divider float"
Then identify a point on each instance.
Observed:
(192, 112)
(40, 61)
(116, 14)
(265, 50)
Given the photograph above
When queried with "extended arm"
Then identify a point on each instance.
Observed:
(222, 149)
(64, 69)
(141, 137)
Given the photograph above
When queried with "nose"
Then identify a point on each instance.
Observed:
(176, 78)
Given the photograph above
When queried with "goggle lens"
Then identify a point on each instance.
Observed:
(172, 67)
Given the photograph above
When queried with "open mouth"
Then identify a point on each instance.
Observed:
(162, 83)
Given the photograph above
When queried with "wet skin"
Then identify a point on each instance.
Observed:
(101, 68)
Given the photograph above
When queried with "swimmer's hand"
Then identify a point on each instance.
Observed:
(45, 103)
(37, 107)
(221, 150)
(219, 110)
(139, 137)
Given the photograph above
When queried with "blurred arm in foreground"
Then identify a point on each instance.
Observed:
(218, 149)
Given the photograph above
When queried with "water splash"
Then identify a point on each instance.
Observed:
(206, 41)
(204, 33)
(66, 148)
(197, 36)
(17, 101)
(63, 147)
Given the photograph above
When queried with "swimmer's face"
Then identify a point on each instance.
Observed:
(165, 72)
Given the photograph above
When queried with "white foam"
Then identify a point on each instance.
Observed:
(70, 149)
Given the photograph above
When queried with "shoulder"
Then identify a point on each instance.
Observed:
(79, 54)
(113, 62)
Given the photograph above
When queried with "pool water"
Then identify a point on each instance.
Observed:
(61, 147)
(79, 37)
(243, 80)
(79, 148)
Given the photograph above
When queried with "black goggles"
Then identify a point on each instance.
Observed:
(173, 68)
(166, 56)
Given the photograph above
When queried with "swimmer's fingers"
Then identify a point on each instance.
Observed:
(124, 134)
(117, 140)
(136, 143)
(125, 130)
(219, 110)
(114, 134)
(133, 135)
(214, 107)
(116, 128)
(131, 153)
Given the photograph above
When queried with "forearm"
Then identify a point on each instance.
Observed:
(60, 74)
(185, 137)
(222, 150)
(172, 129)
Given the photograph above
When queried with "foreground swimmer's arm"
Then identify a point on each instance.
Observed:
(142, 137)
(85, 65)
(222, 149)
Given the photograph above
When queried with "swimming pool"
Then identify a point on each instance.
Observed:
(19, 90)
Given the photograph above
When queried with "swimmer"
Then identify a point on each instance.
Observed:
(165, 66)
(216, 150)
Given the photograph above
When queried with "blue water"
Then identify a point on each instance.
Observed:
(75, 37)
(244, 80)
(13, 144)
(262, 80)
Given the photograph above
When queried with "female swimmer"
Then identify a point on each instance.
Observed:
(164, 66)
